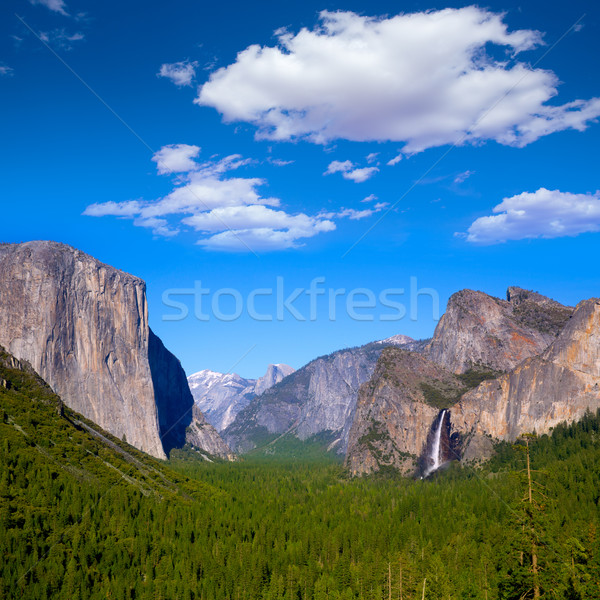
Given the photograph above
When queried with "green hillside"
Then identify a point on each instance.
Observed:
(75, 501)
(83, 515)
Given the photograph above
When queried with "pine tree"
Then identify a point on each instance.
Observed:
(533, 549)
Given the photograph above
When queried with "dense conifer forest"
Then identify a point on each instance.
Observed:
(83, 515)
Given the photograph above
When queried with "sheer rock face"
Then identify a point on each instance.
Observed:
(83, 326)
(560, 384)
(393, 418)
(478, 330)
(180, 421)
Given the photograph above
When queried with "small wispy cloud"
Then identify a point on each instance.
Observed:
(114, 209)
(463, 176)
(54, 5)
(360, 175)
(60, 38)
(395, 160)
(349, 171)
(5, 70)
(180, 73)
(339, 166)
(369, 198)
(278, 162)
(352, 213)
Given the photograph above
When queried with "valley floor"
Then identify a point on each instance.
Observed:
(80, 520)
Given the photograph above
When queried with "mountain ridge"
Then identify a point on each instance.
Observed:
(317, 399)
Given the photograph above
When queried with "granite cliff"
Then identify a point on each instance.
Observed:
(480, 331)
(83, 326)
(180, 420)
(499, 368)
(560, 384)
(274, 374)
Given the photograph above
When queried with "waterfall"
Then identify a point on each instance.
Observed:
(434, 460)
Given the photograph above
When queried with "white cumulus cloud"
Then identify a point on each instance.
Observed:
(339, 166)
(360, 175)
(180, 73)
(541, 214)
(229, 213)
(425, 79)
(176, 158)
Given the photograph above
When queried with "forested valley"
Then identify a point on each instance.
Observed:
(83, 515)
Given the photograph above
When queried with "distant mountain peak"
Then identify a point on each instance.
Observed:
(221, 396)
(275, 373)
(397, 340)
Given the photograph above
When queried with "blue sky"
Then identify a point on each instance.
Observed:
(359, 147)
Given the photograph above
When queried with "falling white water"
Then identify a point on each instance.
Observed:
(434, 457)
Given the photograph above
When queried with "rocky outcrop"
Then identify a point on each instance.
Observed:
(83, 326)
(221, 396)
(395, 411)
(201, 434)
(480, 331)
(560, 384)
(538, 312)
